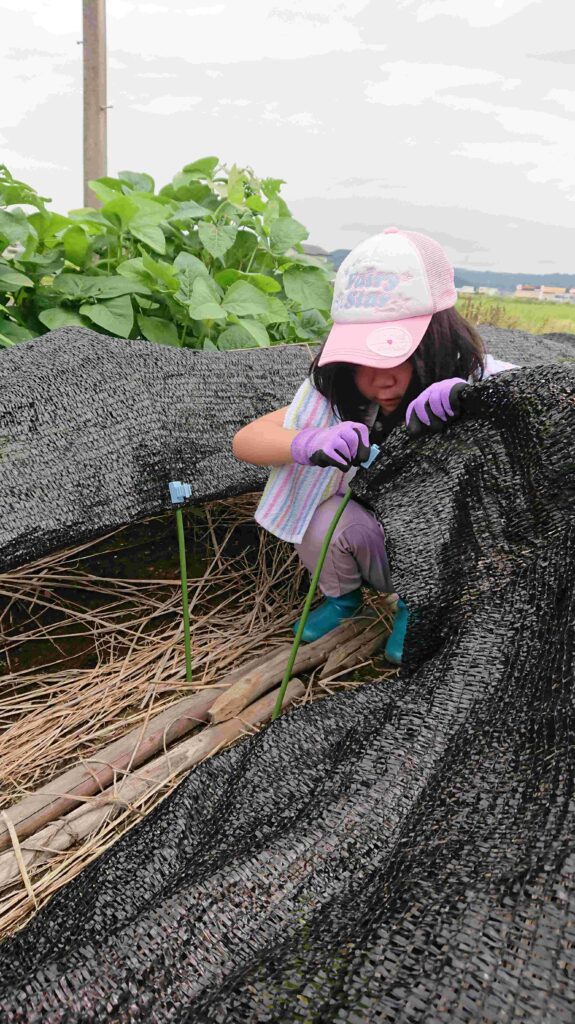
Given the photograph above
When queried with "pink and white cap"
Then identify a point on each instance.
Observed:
(385, 293)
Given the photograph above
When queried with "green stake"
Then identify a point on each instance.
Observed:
(308, 601)
(374, 452)
(178, 493)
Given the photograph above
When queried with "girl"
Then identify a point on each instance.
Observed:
(397, 350)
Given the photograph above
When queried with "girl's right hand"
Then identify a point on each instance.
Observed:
(344, 445)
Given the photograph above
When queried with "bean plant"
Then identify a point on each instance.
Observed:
(213, 260)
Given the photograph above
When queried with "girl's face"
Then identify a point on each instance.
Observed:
(386, 387)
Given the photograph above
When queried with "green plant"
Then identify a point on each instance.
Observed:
(213, 260)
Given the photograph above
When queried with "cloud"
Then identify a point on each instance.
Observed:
(19, 162)
(20, 74)
(560, 56)
(165, 105)
(409, 83)
(478, 15)
(564, 97)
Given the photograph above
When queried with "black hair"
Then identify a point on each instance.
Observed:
(450, 347)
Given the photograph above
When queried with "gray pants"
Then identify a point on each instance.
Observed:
(356, 554)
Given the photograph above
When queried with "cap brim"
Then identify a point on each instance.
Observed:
(348, 343)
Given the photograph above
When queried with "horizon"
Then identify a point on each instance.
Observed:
(473, 270)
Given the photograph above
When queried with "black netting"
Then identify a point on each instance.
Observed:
(400, 853)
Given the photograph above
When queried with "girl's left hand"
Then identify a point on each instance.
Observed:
(435, 406)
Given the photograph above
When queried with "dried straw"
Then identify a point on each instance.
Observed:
(242, 605)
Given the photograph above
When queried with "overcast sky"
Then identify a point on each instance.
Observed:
(452, 117)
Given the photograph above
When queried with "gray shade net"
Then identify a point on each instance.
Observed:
(399, 853)
(93, 429)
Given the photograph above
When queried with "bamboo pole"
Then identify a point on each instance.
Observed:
(355, 650)
(83, 821)
(95, 105)
(261, 679)
(97, 771)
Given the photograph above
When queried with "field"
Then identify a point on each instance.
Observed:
(533, 315)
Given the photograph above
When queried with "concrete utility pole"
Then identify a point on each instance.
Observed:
(95, 108)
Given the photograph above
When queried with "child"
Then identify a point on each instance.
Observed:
(397, 350)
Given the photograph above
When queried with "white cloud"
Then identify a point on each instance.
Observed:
(303, 119)
(19, 162)
(409, 84)
(165, 105)
(478, 15)
(58, 19)
(565, 98)
(20, 74)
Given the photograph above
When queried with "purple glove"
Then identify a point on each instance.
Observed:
(435, 406)
(342, 446)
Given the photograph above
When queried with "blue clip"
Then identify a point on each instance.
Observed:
(179, 492)
(373, 453)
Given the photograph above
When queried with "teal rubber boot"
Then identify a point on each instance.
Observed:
(394, 646)
(329, 614)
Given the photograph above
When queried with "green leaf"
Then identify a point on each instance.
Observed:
(229, 276)
(271, 186)
(276, 312)
(203, 168)
(242, 249)
(245, 300)
(235, 337)
(121, 207)
(164, 332)
(76, 245)
(50, 261)
(153, 209)
(138, 181)
(307, 287)
(188, 268)
(105, 188)
(149, 233)
(256, 204)
(135, 270)
(57, 317)
(14, 333)
(11, 280)
(203, 305)
(215, 238)
(17, 192)
(188, 211)
(285, 233)
(235, 186)
(161, 271)
(257, 332)
(115, 315)
(80, 286)
(14, 227)
(184, 189)
(310, 324)
(209, 346)
(272, 213)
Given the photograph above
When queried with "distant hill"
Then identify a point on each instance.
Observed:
(488, 278)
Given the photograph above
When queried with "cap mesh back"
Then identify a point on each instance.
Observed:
(439, 270)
